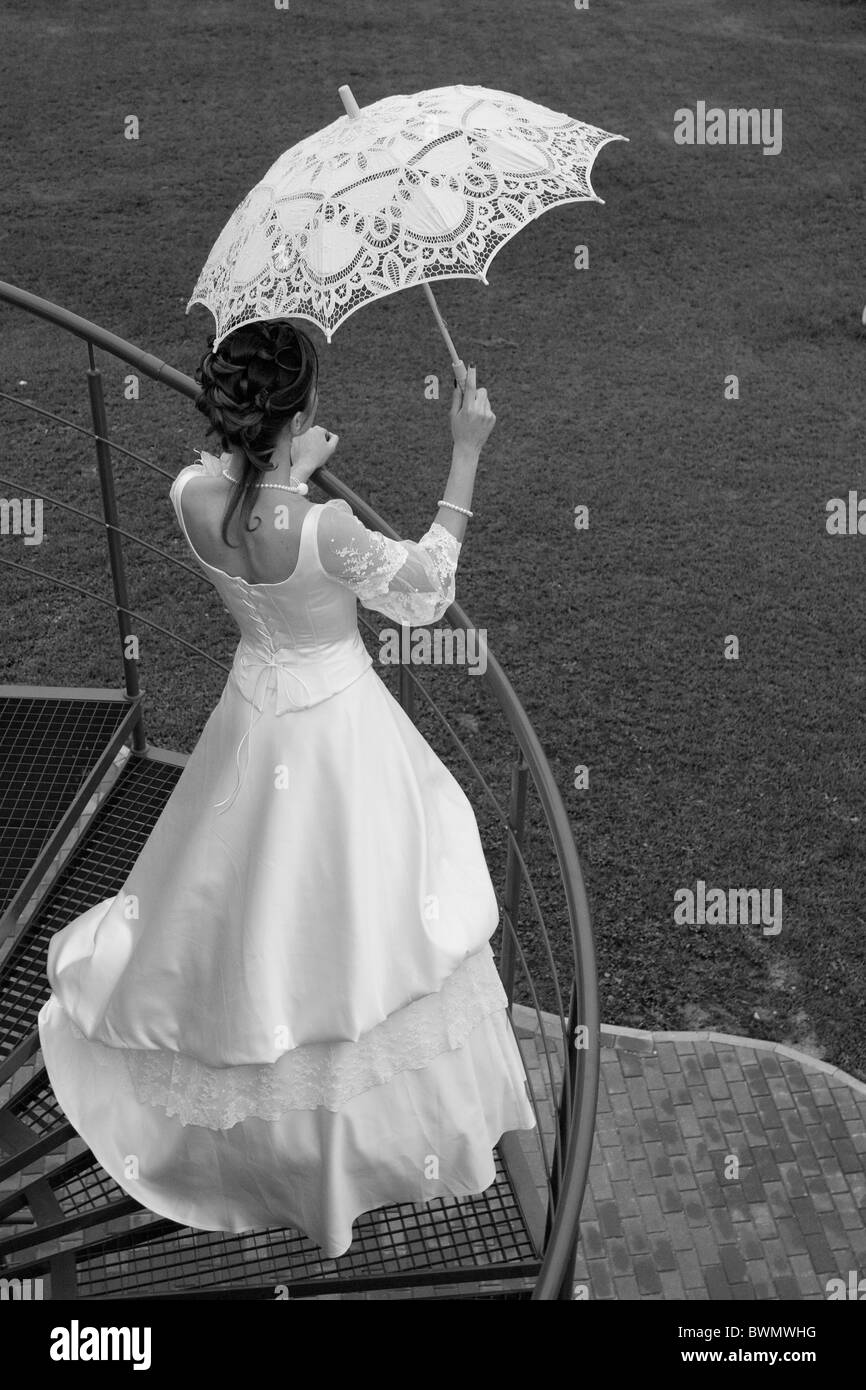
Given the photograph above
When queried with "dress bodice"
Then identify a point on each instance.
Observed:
(301, 631)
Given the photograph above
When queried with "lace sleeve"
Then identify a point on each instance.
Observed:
(409, 581)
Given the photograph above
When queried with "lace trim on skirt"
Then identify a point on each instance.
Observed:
(318, 1074)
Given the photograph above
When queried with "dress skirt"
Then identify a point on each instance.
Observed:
(290, 1014)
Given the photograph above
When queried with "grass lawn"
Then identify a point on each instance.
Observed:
(707, 516)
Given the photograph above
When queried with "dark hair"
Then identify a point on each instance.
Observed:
(258, 378)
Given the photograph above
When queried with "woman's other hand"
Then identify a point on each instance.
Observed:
(311, 450)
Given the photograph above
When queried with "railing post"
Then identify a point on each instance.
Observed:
(115, 549)
(513, 870)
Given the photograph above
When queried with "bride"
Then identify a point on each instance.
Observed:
(290, 1013)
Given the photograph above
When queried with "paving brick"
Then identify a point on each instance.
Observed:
(609, 1219)
(690, 1269)
(821, 1093)
(647, 1275)
(777, 1199)
(742, 1293)
(755, 1079)
(846, 1206)
(672, 1284)
(849, 1159)
(618, 1257)
(791, 1236)
(648, 1125)
(695, 1211)
(638, 1092)
(636, 1237)
(688, 1123)
(805, 1216)
(678, 1231)
(669, 1196)
(793, 1074)
(805, 1275)
(708, 1056)
(613, 1078)
(787, 1287)
(717, 1285)
(662, 1253)
(652, 1215)
(742, 1098)
(807, 1109)
(683, 1175)
(794, 1126)
(822, 1257)
(755, 1130)
(621, 1107)
(702, 1103)
(792, 1179)
(821, 1143)
(717, 1086)
(630, 1054)
(733, 1264)
(780, 1145)
(593, 1243)
(710, 1190)
(730, 1064)
(626, 1199)
(632, 1143)
(712, 1133)
(601, 1284)
(833, 1175)
(660, 1164)
(642, 1179)
(616, 1165)
(832, 1122)
(668, 1059)
(699, 1155)
(627, 1288)
(763, 1221)
(768, 1062)
(751, 1246)
(672, 1137)
(777, 1257)
(654, 1077)
(781, 1095)
(679, 1091)
(722, 1226)
(600, 1184)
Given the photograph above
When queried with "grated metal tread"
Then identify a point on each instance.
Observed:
(47, 747)
(392, 1245)
(96, 869)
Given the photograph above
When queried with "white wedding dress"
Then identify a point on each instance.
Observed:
(290, 1013)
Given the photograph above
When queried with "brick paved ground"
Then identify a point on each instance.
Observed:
(721, 1169)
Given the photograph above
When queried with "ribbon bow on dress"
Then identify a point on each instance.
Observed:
(268, 666)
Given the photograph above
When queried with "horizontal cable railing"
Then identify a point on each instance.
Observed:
(566, 1174)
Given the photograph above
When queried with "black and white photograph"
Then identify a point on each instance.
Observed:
(432, 534)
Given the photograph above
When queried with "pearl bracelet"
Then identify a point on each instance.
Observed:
(454, 507)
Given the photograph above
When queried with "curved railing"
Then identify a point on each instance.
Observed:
(575, 1095)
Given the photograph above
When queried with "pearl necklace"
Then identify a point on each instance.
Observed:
(285, 487)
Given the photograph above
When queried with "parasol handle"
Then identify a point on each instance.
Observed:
(352, 111)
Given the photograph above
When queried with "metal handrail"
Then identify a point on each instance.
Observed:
(554, 1279)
